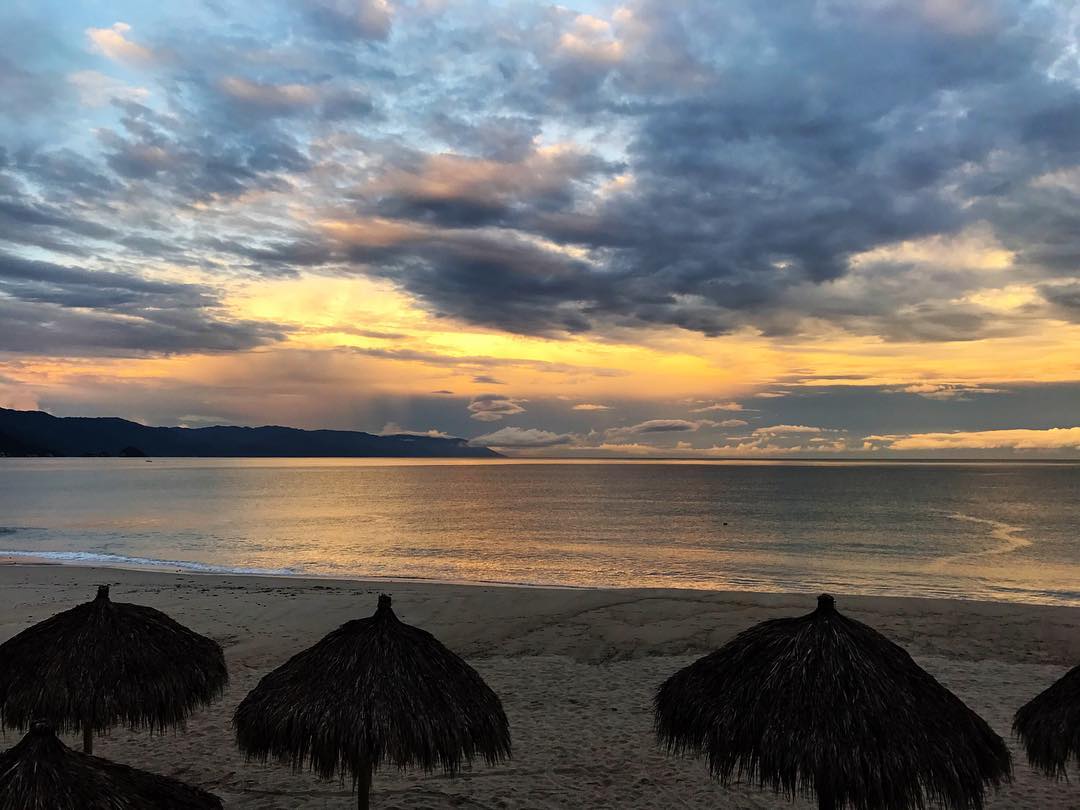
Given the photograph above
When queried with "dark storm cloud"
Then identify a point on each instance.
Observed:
(1065, 299)
(507, 283)
(52, 309)
(464, 192)
(792, 142)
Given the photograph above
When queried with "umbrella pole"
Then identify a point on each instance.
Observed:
(87, 738)
(363, 785)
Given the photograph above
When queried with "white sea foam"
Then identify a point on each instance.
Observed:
(123, 561)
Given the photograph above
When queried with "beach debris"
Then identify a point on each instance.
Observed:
(41, 773)
(1049, 726)
(823, 705)
(374, 692)
(104, 663)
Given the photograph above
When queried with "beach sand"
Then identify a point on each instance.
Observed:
(576, 670)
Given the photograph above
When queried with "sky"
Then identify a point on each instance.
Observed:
(718, 228)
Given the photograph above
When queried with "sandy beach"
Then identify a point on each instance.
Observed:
(575, 669)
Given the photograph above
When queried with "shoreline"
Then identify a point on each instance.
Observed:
(30, 559)
(12, 559)
(312, 580)
(583, 659)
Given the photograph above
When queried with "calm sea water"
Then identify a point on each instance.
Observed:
(983, 531)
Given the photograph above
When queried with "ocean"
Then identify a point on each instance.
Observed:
(988, 531)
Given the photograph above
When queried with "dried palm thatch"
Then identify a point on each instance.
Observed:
(374, 691)
(1049, 726)
(824, 705)
(41, 773)
(104, 663)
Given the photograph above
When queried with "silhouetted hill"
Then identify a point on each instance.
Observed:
(34, 433)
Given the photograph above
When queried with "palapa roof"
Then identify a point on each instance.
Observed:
(41, 773)
(825, 705)
(374, 691)
(110, 663)
(1049, 726)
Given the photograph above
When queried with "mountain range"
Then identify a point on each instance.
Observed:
(36, 433)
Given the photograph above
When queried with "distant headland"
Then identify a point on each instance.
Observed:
(36, 433)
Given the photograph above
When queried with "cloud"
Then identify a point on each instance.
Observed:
(1064, 298)
(487, 379)
(731, 423)
(514, 437)
(590, 406)
(714, 203)
(113, 43)
(591, 39)
(785, 430)
(350, 19)
(784, 440)
(660, 426)
(1012, 439)
(737, 216)
(471, 362)
(462, 191)
(51, 309)
(96, 89)
(394, 429)
(718, 406)
(947, 391)
(270, 98)
(493, 407)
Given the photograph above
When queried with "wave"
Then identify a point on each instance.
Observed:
(124, 561)
(1009, 537)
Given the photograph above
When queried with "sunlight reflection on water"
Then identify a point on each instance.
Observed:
(1001, 531)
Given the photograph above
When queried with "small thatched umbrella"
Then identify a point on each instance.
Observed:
(41, 773)
(823, 704)
(375, 690)
(1049, 725)
(104, 663)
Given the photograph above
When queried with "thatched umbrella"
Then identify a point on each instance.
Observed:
(104, 663)
(41, 773)
(823, 704)
(1049, 725)
(374, 691)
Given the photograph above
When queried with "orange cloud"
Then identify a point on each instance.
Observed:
(113, 43)
(1016, 439)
